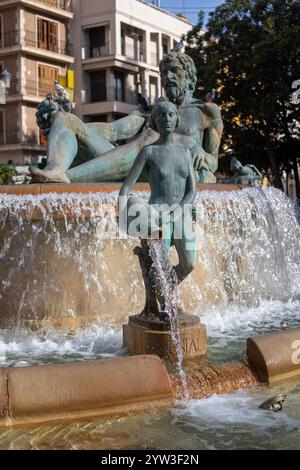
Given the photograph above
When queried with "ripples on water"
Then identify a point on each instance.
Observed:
(256, 253)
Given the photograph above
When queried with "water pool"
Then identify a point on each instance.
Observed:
(219, 422)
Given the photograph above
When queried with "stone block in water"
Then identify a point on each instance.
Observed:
(275, 357)
(152, 336)
(83, 389)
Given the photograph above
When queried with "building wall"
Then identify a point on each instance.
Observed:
(32, 62)
(32, 131)
(9, 20)
(135, 19)
(20, 21)
(11, 113)
(31, 23)
(11, 63)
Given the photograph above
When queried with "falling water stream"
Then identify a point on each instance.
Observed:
(167, 279)
(247, 281)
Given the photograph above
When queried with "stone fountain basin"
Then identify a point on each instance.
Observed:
(43, 286)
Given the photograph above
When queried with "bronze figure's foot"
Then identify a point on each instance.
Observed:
(48, 176)
(164, 316)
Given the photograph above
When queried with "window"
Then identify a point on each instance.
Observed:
(98, 86)
(98, 118)
(123, 52)
(2, 127)
(2, 89)
(119, 86)
(42, 137)
(153, 90)
(1, 30)
(97, 41)
(141, 49)
(47, 76)
(47, 35)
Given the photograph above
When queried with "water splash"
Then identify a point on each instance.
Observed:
(167, 283)
(49, 345)
(250, 241)
(235, 421)
(62, 262)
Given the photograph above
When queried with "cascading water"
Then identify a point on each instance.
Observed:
(61, 271)
(167, 282)
(250, 239)
(63, 267)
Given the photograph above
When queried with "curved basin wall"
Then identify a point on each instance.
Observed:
(63, 265)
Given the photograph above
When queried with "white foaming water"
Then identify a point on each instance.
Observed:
(167, 282)
(53, 346)
(249, 251)
(250, 240)
(245, 321)
(249, 255)
(236, 422)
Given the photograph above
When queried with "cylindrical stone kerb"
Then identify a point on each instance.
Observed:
(85, 389)
(275, 357)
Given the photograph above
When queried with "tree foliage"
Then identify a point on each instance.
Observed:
(6, 172)
(250, 53)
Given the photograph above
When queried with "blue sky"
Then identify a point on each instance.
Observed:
(189, 7)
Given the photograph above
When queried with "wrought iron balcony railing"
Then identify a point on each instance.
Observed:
(93, 52)
(39, 88)
(9, 38)
(154, 58)
(13, 38)
(62, 4)
(34, 88)
(12, 137)
(131, 52)
(111, 93)
(56, 45)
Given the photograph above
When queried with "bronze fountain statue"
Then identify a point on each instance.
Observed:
(165, 220)
(88, 152)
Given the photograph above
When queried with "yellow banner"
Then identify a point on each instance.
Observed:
(71, 79)
(62, 80)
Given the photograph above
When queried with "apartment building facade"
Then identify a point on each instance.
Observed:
(35, 49)
(118, 45)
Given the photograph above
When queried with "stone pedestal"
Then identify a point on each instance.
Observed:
(150, 335)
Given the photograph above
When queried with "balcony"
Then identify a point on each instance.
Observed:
(115, 102)
(39, 89)
(105, 107)
(154, 59)
(62, 4)
(11, 137)
(32, 88)
(14, 87)
(60, 8)
(58, 46)
(12, 39)
(131, 98)
(95, 52)
(130, 52)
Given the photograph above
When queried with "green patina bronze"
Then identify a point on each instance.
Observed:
(80, 152)
(171, 175)
(71, 141)
(167, 218)
(243, 174)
